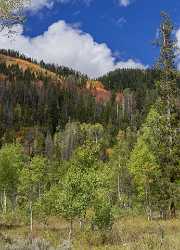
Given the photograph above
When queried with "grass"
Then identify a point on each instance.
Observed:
(128, 233)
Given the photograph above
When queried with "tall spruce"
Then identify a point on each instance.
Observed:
(166, 106)
(154, 161)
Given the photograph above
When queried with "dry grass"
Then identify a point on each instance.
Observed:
(24, 65)
(127, 234)
(136, 234)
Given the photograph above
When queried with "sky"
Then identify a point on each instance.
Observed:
(93, 36)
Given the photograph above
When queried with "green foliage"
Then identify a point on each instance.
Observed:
(80, 183)
(154, 161)
(121, 177)
(103, 218)
(120, 79)
(48, 204)
(152, 176)
(78, 191)
(11, 163)
(143, 163)
(76, 134)
(33, 178)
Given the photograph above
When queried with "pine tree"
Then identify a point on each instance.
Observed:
(154, 162)
(166, 106)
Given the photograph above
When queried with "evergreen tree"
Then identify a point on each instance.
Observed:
(166, 106)
(155, 159)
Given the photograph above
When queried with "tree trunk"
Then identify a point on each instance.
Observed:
(96, 139)
(31, 216)
(123, 107)
(4, 202)
(117, 112)
(70, 230)
(39, 191)
(163, 214)
(118, 188)
(82, 221)
(172, 210)
(149, 212)
(14, 200)
(81, 224)
(148, 203)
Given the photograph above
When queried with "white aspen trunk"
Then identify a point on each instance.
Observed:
(70, 230)
(123, 107)
(81, 224)
(117, 111)
(149, 214)
(31, 216)
(39, 190)
(96, 139)
(4, 201)
(119, 192)
(148, 208)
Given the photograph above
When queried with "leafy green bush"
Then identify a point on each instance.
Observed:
(103, 218)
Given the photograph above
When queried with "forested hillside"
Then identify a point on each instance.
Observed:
(49, 96)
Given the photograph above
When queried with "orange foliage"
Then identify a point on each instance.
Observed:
(98, 90)
(119, 97)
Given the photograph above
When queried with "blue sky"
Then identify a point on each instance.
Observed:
(107, 33)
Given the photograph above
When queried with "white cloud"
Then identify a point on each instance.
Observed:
(130, 63)
(66, 45)
(121, 21)
(36, 5)
(124, 3)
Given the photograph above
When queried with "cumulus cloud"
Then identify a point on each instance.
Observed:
(66, 45)
(124, 3)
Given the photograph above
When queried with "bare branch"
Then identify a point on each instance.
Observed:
(11, 12)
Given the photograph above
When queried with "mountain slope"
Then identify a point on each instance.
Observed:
(48, 96)
(95, 87)
(25, 65)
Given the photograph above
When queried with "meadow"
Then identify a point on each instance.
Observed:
(128, 233)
